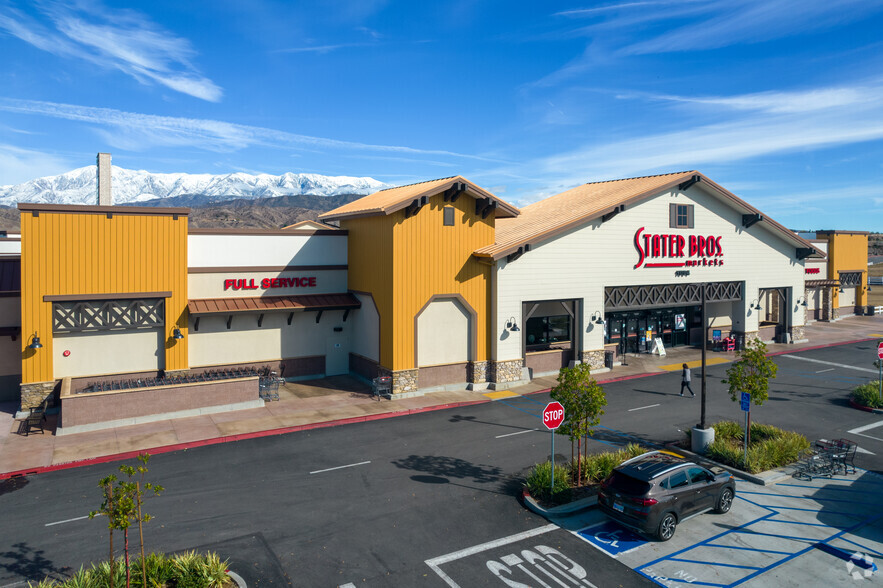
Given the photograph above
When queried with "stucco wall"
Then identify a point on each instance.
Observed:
(108, 352)
(443, 334)
(582, 262)
(232, 250)
(365, 329)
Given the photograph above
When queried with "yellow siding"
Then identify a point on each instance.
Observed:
(848, 251)
(403, 262)
(72, 253)
(369, 259)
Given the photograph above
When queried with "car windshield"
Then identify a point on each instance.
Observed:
(628, 485)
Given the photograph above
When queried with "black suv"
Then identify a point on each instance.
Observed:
(657, 490)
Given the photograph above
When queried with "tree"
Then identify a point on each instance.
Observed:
(751, 373)
(122, 506)
(583, 400)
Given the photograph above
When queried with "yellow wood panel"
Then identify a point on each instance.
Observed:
(86, 253)
(848, 252)
(432, 259)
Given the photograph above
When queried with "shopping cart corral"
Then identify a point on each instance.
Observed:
(828, 458)
(268, 385)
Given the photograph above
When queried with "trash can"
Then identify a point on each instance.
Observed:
(608, 359)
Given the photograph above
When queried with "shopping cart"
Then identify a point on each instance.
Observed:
(381, 386)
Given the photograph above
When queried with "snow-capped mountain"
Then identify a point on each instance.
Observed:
(80, 186)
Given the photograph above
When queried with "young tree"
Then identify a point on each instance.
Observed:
(136, 491)
(583, 400)
(751, 373)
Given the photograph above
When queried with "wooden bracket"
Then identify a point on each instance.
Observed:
(346, 313)
(229, 321)
(261, 320)
(196, 324)
(319, 316)
(290, 316)
(750, 219)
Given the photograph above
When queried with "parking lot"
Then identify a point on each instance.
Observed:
(793, 533)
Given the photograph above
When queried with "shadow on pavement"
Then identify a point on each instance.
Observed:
(25, 562)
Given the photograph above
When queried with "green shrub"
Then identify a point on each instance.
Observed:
(770, 447)
(868, 395)
(187, 570)
(597, 467)
(539, 483)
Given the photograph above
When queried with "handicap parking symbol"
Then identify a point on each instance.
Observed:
(612, 538)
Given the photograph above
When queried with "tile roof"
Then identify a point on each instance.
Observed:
(577, 206)
(265, 303)
(391, 200)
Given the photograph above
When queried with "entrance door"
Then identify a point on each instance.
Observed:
(336, 355)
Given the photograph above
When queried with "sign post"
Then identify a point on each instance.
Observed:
(880, 363)
(553, 416)
(745, 401)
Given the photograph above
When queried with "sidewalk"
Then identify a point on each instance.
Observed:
(320, 403)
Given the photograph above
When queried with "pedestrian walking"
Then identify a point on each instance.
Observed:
(685, 381)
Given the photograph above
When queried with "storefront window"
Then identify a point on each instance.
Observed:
(545, 331)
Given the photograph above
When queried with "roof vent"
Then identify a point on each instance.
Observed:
(105, 197)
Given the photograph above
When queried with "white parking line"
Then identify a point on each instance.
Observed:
(67, 521)
(642, 407)
(840, 365)
(823, 371)
(860, 431)
(351, 465)
(516, 433)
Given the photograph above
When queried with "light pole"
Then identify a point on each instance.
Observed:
(704, 345)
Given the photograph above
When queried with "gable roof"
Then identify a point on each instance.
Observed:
(554, 215)
(386, 202)
(311, 224)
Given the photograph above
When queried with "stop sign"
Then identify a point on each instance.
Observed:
(553, 415)
(880, 350)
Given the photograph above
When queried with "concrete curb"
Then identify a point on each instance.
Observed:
(237, 578)
(558, 511)
(767, 478)
(854, 404)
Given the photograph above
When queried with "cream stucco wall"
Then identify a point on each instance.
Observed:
(107, 352)
(443, 333)
(232, 250)
(847, 298)
(275, 339)
(364, 328)
(582, 262)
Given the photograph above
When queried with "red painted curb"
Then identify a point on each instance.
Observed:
(231, 438)
(855, 404)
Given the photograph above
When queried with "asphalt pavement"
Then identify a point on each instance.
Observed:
(370, 503)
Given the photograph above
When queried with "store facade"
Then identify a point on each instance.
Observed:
(439, 285)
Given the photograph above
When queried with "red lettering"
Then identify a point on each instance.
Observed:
(237, 284)
(265, 283)
(229, 284)
(693, 245)
(681, 243)
(655, 245)
(638, 248)
(312, 282)
(274, 283)
(717, 244)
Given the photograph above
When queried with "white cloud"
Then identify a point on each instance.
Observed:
(790, 102)
(114, 39)
(19, 165)
(136, 131)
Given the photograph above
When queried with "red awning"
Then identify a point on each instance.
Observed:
(267, 303)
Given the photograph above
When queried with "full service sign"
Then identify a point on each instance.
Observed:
(680, 251)
(269, 283)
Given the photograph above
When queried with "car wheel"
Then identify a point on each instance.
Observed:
(724, 501)
(667, 527)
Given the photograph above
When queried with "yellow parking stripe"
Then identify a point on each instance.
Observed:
(673, 367)
(500, 394)
(875, 335)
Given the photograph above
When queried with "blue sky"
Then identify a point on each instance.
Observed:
(778, 101)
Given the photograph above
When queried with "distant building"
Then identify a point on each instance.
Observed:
(837, 286)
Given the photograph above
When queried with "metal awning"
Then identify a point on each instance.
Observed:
(269, 303)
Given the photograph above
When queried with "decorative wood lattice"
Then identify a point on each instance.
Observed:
(849, 279)
(660, 296)
(104, 315)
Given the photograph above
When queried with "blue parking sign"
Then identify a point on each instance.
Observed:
(612, 538)
(746, 401)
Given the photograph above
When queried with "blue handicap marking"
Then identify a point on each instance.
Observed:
(612, 538)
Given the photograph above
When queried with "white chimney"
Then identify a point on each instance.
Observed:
(105, 197)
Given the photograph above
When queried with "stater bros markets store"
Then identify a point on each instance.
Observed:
(439, 285)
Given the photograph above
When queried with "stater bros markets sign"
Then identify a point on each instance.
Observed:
(678, 250)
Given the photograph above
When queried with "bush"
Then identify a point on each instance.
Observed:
(187, 570)
(598, 466)
(539, 483)
(868, 395)
(770, 447)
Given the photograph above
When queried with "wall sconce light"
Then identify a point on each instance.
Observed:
(35, 342)
(868, 288)
(755, 305)
(801, 301)
(597, 317)
(177, 334)
(840, 289)
(511, 325)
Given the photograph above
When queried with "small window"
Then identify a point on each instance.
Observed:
(449, 216)
(681, 216)
(678, 480)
